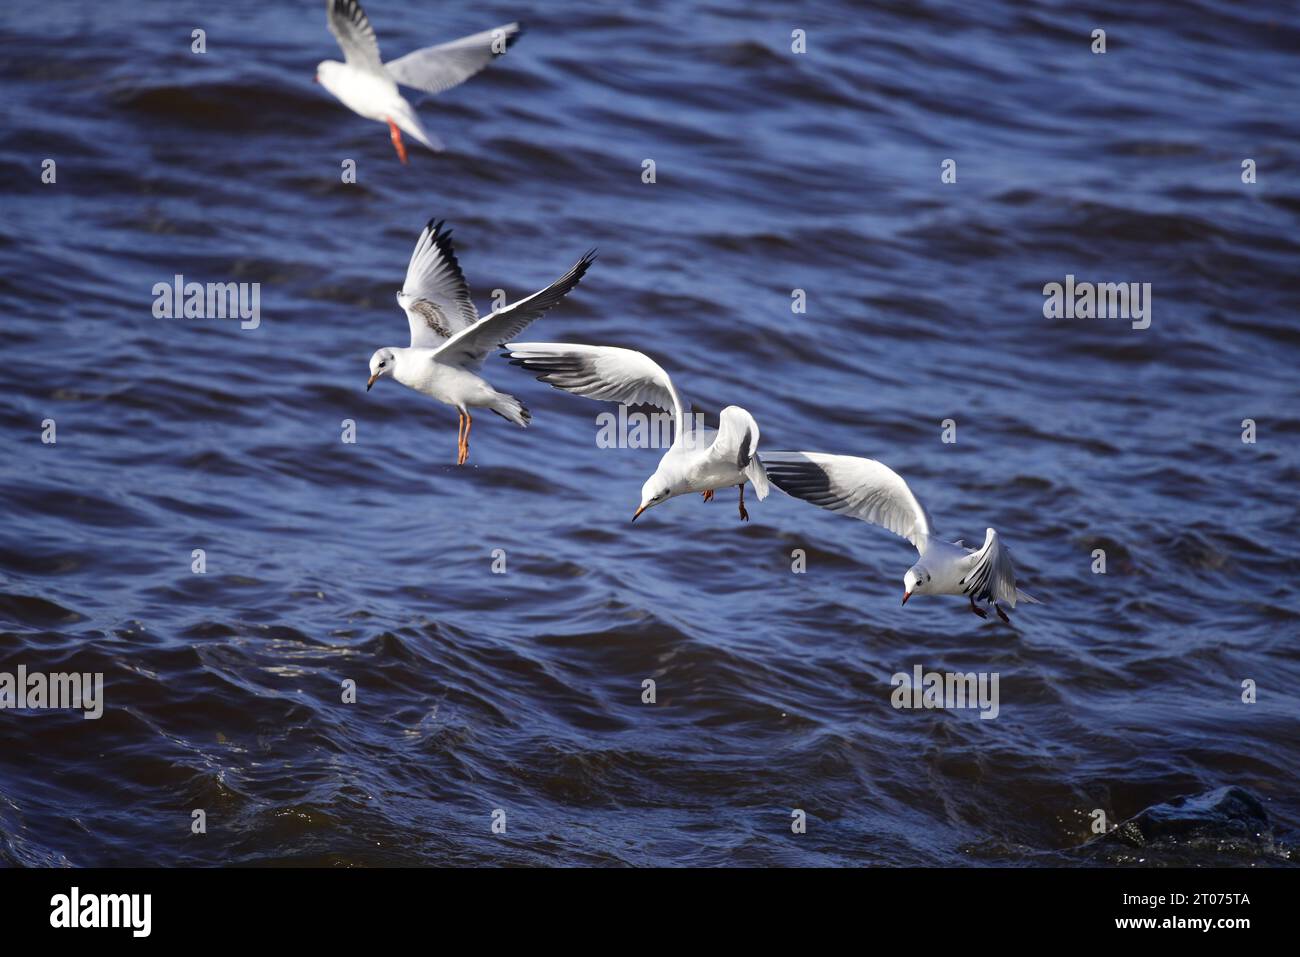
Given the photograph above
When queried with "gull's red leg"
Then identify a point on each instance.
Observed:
(464, 450)
(708, 496)
(395, 135)
(744, 515)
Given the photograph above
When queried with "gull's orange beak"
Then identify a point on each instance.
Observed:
(906, 596)
(638, 512)
(371, 381)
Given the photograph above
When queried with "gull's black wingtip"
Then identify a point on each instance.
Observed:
(579, 270)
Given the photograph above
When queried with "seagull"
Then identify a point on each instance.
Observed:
(866, 489)
(448, 339)
(692, 463)
(368, 86)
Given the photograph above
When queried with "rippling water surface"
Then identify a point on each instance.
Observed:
(372, 562)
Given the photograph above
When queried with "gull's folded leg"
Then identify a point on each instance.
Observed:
(1001, 614)
(975, 608)
(708, 496)
(395, 135)
(744, 515)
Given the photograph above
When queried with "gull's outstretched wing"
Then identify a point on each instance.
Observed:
(351, 27)
(989, 575)
(600, 372)
(737, 441)
(435, 296)
(469, 347)
(860, 488)
(437, 68)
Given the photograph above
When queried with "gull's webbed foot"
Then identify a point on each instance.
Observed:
(977, 609)
(1001, 614)
(708, 496)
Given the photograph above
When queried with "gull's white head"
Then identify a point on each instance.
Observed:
(917, 579)
(327, 74)
(655, 490)
(382, 363)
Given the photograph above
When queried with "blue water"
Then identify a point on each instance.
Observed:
(522, 692)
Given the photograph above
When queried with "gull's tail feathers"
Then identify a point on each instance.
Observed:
(409, 122)
(508, 407)
(757, 476)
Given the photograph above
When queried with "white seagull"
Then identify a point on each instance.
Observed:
(875, 493)
(368, 86)
(448, 339)
(692, 463)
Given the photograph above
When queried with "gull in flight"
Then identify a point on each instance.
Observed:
(692, 463)
(448, 339)
(368, 86)
(866, 489)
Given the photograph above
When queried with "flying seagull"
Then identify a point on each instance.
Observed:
(866, 489)
(368, 86)
(448, 339)
(692, 463)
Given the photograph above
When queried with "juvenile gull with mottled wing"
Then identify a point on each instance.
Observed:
(448, 339)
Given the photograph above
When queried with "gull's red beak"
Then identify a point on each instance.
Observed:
(371, 381)
(906, 596)
(638, 512)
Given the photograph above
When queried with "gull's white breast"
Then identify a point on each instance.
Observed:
(372, 95)
(418, 369)
(695, 466)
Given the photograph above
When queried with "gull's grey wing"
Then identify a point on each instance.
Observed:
(469, 347)
(435, 296)
(351, 27)
(607, 373)
(861, 488)
(437, 68)
(989, 575)
(737, 441)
